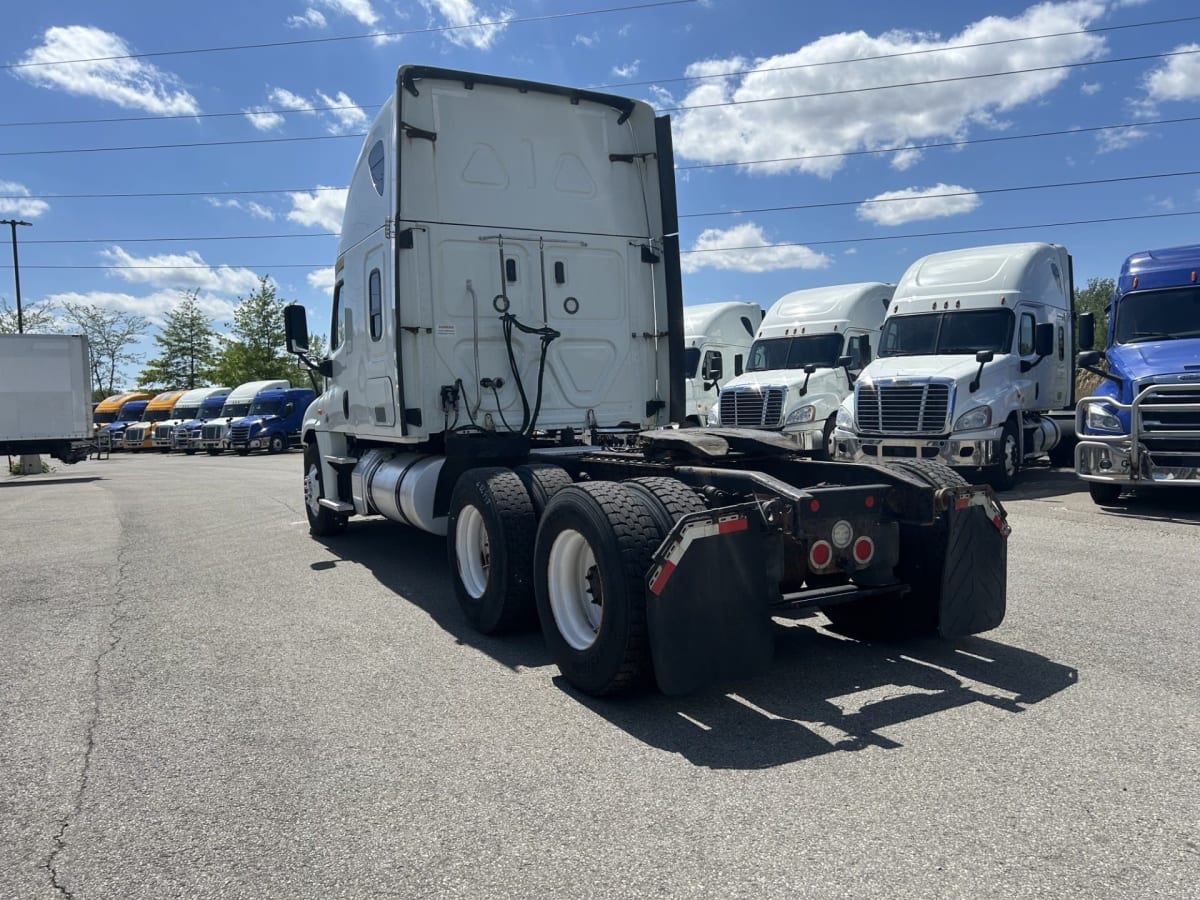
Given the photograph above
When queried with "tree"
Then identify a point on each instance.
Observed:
(1095, 298)
(111, 335)
(188, 353)
(256, 350)
(38, 318)
(318, 347)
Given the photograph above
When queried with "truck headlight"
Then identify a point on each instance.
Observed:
(714, 414)
(972, 419)
(845, 419)
(801, 415)
(1103, 418)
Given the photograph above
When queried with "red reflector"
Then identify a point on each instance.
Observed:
(864, 550)
(741, 523)
(869, 501)
(962, 502)
(820, 554)
(814, 505)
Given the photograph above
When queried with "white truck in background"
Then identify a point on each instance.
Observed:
(716, 339)
(507, 345)
(809, 349)
(45, 396)
(974, 357)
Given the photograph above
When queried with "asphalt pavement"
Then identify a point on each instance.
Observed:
(200, 700)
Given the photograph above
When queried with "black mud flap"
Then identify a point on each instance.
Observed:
(974, 574)
(708, 599)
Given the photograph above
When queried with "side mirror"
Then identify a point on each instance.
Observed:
(1043, 339)
(295, 328)
(1087, 331)
(984, 356)
(845, 362)
(864, 350)
(712, 367)
(1088, 357)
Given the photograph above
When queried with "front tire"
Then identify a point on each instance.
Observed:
(1004, 474)
(322, 522)
(826, 452)
(490, 530)
(276, 444)
(593, 552)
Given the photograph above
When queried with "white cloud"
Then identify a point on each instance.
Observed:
(361, 10)
(153, 306)
(1178, 78)
(318, 209)
(262, 118)
(322, 279)
(19, 203)
(1119, 138)
(312, 18)
(129, 83)
(347, 116)
(746, 248)
(585, 40)
(253, 207)
(1088, 88)
(288, 100)
(461, 13)
(627, 71)
(180, 271)
(875, 119)
(915, 204)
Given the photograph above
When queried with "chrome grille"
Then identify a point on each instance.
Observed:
(239, 433)
(162, 433)
(752, 407)
(212, 432)
(134, 434)
(903, 408)
(1170, 423)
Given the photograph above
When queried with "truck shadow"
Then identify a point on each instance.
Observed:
(1180, 505)
(412, 565)
(827, 694)
(26, 480)
(1038, 482)
(823, 693)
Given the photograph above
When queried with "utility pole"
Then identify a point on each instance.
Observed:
(13, 223)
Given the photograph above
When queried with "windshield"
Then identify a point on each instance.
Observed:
(156, 415)
(795, 352)
(691, 361)
(237, 410)
(104, 417)
(962, 331)
(185, 412)
(129, 416)
(207, 411)
(1158, 315)
(264, 407)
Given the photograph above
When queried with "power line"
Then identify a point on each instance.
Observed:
(922, 234)
(220, 237)
(749, 162)
(947, 80)
(754, 100)
(433, 29)
(964, 193)
(933, 146)
(824, 242)
(737, 73)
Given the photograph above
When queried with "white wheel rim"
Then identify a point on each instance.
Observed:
(312, 489)
(473, 551)
(1010, 455)
(577, 613)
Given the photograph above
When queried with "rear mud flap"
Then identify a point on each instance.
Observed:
(708, 600)
(974, 574)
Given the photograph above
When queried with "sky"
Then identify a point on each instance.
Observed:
(815, 144)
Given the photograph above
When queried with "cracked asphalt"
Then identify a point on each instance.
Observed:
(199, 700)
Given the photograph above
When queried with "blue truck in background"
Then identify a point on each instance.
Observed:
(110, 437)
(1141, 427)
(273, 422)
(186, 436)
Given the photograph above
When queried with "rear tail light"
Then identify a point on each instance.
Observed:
(820, 554)
(864, 550)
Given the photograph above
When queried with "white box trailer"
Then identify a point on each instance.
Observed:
(507, 340)
(45, 395)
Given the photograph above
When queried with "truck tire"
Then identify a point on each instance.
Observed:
(322, 522)
(190, 451)
(593, 552)
(827, 444)
(276, 444)
(213, 451)
(666, 499)
(490, 534)
(542, 481)
(1004, 475)
(955, 569)
(242, 451)
(1104, 493)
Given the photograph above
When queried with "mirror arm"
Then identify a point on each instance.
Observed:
(1107, 375)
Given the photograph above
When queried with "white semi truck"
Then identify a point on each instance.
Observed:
(508, 336)
(45, 396)
(973, 360)
(810, 347)
(716, 341)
